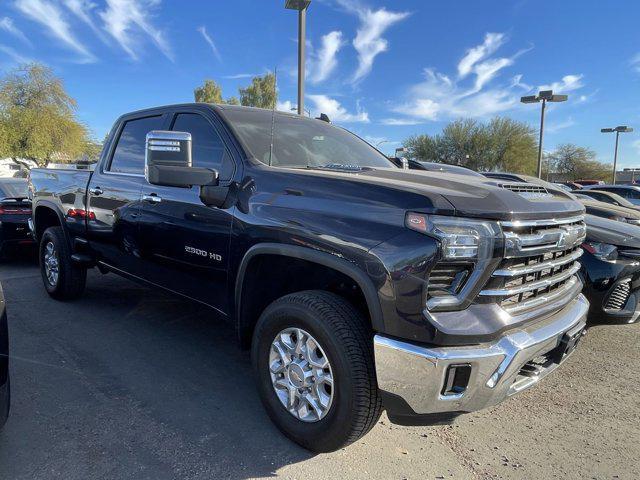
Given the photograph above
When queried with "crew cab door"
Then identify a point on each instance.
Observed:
(185, 244)
(113, 194)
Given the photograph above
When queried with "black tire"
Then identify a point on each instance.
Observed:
(71, 278)
(346, 339)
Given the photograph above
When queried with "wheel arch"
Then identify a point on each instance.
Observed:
(245, 323)
(45, 215)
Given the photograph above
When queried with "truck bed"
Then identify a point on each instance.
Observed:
(64, 189)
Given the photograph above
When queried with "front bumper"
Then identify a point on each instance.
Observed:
(414, 379)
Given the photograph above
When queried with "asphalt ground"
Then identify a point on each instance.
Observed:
(129, 383)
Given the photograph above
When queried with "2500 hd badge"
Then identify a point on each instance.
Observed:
(203, 253)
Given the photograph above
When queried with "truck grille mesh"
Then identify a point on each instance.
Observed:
(619, 296)
(540, 264)
(447, 279)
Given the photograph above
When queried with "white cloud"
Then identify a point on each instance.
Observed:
(51, 17)
(378, 142)
(210, 42)
(82, 9)
(492, 41)
(123, 19)
(324, 62)
(400, 121)
(369, 42)
(8, 26)
(635, 63)
(14, 55)
(557, 126)
(239, 76)
(336, 112)
(476, 91)
(568, 83)
(285, 106)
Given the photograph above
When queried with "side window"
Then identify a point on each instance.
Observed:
(128, 156)
(208, 148)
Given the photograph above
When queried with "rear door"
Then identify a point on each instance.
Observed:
(184, 243)
(113, 195)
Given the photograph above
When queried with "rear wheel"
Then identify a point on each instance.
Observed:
(63, 279)
(313, 356)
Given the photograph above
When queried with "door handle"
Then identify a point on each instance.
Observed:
(96, 191)
(152, 198)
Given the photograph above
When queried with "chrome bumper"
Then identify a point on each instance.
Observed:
(417, 374)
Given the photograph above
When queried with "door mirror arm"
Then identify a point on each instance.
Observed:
(217, 196)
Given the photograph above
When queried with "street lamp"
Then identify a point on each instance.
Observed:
(301, 6)
(619, 129)
(543, 96)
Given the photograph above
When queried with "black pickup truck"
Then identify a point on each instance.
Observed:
(357, 285)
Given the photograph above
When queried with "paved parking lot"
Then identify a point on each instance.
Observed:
(129, 383)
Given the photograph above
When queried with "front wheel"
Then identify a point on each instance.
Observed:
(62, 279)
(313, 356)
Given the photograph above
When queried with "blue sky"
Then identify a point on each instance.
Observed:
(384, 69)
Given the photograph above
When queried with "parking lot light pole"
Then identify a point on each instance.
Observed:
(543, 96)
(301, 6)
(619, 129)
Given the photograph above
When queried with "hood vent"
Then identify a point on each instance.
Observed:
(527, 190)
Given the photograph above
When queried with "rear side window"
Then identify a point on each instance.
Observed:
(625, 192)
(208, 149)
(128, 156)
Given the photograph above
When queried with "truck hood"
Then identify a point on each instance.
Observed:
(604, 209)
(469, 196)
(612, 232)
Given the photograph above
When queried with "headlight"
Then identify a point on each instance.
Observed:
(463, 241)
(602, 251)
(461, 238)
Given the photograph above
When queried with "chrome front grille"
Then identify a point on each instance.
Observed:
(619, 296)
(540, 264)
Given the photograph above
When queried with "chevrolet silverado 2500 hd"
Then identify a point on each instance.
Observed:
(358, 286)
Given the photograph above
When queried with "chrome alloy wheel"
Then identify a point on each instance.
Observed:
(51, 264)
(301, 374)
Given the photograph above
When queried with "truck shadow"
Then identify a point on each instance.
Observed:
(144, 386)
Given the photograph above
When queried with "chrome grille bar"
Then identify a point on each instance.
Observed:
(569, 290)
(517, 271)
(527, 287)
(542, 223)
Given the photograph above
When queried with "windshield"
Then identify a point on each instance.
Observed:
(302, 142)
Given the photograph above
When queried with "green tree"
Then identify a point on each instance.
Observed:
(575, 163)
(38, 117)
(502, 144)
(513, 146)
(209, 92)
(261, 93)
